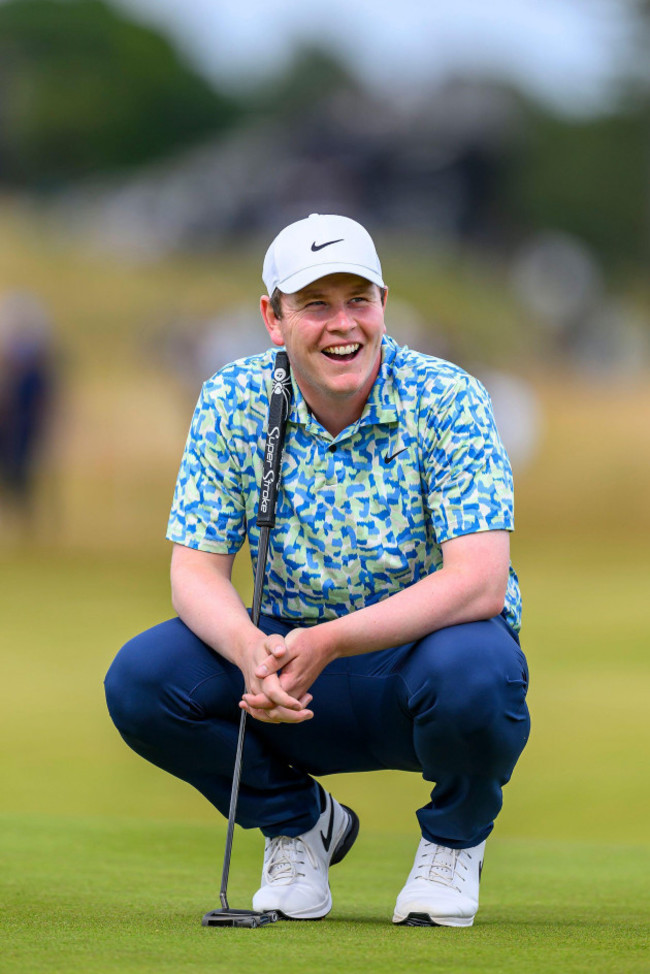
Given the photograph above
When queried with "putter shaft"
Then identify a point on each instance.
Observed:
(276, 425)
(260, 568)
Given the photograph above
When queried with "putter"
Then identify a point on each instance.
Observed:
(279, 404)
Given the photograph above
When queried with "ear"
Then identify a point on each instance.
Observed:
(383, 296)
(272, 322)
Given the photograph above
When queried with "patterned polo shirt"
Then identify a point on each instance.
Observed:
(360, 515)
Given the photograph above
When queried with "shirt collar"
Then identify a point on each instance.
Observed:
(381, 406)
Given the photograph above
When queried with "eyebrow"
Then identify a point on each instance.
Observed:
(316, 292)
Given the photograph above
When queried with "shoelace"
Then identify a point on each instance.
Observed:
(284, 855)
(439, 865)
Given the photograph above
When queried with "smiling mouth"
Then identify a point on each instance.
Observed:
(342, 353)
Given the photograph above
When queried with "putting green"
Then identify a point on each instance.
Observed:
(108, 864)
(120, 895)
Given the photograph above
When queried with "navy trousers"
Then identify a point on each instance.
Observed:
(451, 706)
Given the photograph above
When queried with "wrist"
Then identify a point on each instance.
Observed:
(323, 642)
(243, 643)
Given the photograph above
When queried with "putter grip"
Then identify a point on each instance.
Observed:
(279, 404)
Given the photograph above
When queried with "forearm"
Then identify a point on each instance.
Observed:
(464, 590)
(432, 603)
(208, 603)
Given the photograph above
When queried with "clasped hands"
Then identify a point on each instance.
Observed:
(278, 672)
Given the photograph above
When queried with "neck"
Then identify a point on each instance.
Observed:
(335, 413)
(337, 418)
(336, 409)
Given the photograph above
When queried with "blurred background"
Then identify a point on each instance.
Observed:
(149, 152)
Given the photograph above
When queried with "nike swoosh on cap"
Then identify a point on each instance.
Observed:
(329, 243)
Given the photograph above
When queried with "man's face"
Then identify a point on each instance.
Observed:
(332, 331)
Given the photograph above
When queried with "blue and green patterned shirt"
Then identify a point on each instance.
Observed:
(360, 515)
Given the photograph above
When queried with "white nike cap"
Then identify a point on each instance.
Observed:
(319, 245)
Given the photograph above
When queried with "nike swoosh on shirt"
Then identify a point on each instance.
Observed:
(387, 459)
(327, 839)
(329, 243)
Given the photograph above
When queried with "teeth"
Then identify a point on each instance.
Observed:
(342, 349)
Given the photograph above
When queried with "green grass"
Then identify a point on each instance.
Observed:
(108, 864)
(104, 895)
(580, 777)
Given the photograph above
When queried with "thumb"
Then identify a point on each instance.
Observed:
(270, 665)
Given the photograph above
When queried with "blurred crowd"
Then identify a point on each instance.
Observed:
(28, 389)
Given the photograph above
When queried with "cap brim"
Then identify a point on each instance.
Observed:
(308, 275)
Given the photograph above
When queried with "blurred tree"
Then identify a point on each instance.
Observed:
(586, 177)
(84, 89)
(591, 177)
(312, 76)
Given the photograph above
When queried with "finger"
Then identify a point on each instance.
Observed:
(271, 664)
(271, 690)
(292, 716)
(279, 715)
(261, 715)
(274, 645)
(261, 701)
(258, 701)
(295, 684)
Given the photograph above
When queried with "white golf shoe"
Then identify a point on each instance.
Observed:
(295, 874)
(442, 887)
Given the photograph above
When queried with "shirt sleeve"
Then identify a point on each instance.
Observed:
(208, 510)
(467, 470)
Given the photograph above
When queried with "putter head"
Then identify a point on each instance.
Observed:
(239, 918)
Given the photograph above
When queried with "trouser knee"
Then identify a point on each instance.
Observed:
(466, 670)
(469, 695)
(132, 691)
(166, 679)
(147, 682)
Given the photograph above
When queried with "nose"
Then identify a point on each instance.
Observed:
(342, 319)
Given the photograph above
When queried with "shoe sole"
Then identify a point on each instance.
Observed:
(285, 916)
(424, 920)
